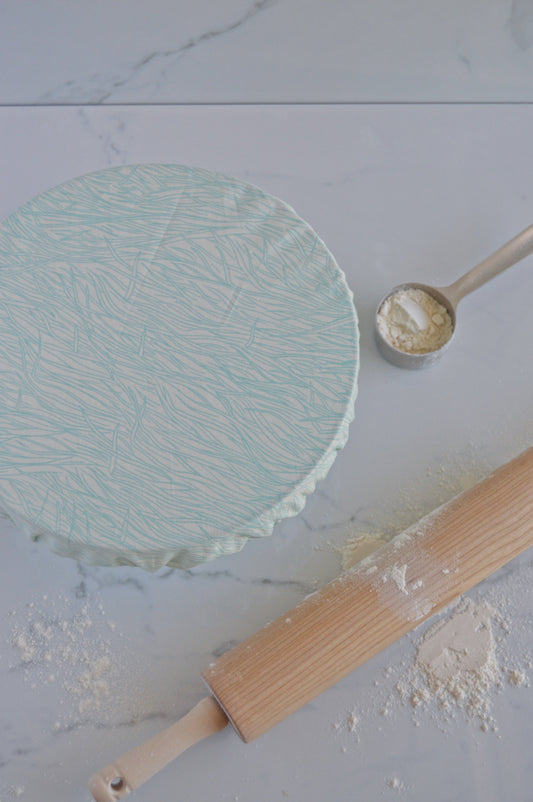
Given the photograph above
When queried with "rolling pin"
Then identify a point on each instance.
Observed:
(290, 661)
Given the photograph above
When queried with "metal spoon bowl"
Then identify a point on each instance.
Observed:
(508, 255)
(405, 359)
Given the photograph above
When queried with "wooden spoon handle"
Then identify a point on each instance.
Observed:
(131, 770)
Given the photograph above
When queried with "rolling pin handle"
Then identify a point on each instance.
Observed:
(128, 772)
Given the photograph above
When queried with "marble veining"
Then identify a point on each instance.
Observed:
(400, 193)
(521, 23)
(267, 51)
(150, 71)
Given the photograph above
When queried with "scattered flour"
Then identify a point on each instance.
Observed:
(456, 661)
(395, 784)
(452, 671)
(473, 652)
(69, 650)
(410, 504)
(517, 678)
(360, 546)
(353, 721)
(457, 667)
(397, 574)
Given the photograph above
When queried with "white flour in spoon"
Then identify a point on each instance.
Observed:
(414, 322)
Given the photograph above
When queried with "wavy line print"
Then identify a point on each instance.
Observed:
(179, 353)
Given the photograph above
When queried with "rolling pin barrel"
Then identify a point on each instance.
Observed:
(330, 633)
(325, 637)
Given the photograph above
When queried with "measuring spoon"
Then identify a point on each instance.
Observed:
(509, 254)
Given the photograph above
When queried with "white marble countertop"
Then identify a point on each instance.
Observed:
(173, 51)
(397, 193)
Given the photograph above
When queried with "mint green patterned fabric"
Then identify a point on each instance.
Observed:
(178, 363)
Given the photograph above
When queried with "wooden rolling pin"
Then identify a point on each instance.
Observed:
(325, 637)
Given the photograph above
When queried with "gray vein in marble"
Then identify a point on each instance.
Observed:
(302, 586)
(162, 718)
(19, 751)
(321, 493)
(113, 151)
(466, 61)
(103, 580)
(101, 89)
(332, 525)
(521, 23)
(134, 721)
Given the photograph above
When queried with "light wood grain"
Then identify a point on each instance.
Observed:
(134, 768)
(325, 637)
(293, 659)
